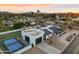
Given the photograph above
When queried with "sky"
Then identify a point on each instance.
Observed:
(48, 8)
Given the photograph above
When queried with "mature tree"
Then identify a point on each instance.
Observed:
(2, 26)
(18, 25)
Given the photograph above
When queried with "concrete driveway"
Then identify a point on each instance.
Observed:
(48, 48)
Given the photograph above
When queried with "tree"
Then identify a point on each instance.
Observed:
(27, 24)
(2, 26)
(70, 27)
(18, 25)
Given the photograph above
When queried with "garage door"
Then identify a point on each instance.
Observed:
(38, 40)
(27, 39)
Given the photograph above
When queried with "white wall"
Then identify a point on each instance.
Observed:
(8, 32)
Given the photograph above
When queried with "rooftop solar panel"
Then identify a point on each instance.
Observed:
(47, 32)
(55, 29)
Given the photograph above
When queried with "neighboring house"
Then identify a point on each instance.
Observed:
(8, 23)
(75, 19)
(31, 20)
(57, 16)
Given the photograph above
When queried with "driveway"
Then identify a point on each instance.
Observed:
(48, 48)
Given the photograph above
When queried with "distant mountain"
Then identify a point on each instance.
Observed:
(5, 12)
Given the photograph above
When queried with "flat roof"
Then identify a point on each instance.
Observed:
(55, 29)
(33, 32)
(47, 32)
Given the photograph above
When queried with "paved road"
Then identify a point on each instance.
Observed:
(73, 48)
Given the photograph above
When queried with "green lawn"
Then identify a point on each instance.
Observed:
(12, 35)
(6, 29)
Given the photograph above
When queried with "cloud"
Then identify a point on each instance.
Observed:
(41, 7)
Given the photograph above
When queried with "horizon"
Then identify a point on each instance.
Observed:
(46, 8)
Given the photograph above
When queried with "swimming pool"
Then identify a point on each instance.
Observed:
(12, 45)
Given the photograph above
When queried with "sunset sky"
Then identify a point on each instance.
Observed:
(50, 8)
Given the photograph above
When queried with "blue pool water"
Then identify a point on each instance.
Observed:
(12, 45)
(9, 41)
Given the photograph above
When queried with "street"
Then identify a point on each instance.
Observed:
(73, 48)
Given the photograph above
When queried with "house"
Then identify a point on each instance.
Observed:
(30, 19)
(56, 29)
(8, 23)
(75, 19)
(51, 30)
(32, 36)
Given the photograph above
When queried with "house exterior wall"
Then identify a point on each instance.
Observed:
(32, 38)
